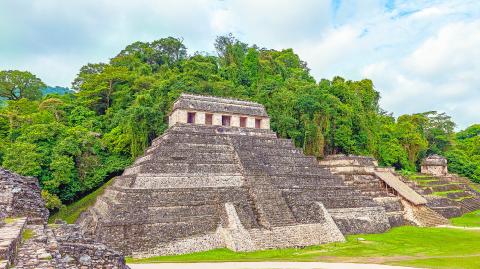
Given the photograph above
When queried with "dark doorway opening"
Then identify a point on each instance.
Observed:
(191, 117)
(208, 119)
(258, 123)
(243, 122)
(226, 120)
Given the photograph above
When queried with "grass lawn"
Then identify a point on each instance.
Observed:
(443, 263)
(471, 219)
(407, 245)
(71, 212)
(474, 186)
(446, 193)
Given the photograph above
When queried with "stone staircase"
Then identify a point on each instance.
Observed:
(10, 239)
(422, 215)
(359, 172)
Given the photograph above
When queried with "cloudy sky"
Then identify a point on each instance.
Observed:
(421, 55)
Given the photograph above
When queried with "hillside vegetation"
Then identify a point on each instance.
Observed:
(75, 142)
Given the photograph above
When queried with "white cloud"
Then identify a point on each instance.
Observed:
(337, 46)
(440, 74)
(421, 55)
(454, 47)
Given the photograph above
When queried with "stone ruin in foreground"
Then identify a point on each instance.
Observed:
(219, 177)
(26, 241)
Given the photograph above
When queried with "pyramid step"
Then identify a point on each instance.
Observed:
(179, 167)
(10, 239)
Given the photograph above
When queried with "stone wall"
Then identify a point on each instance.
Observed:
(77, 250)
(10, 240)
(234, 236)
(435, 170)
(59, 246)
(20, 197)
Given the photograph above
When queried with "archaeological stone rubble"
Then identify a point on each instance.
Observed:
(26, 241)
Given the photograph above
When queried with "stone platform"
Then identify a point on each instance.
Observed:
(403, 203)
(201, 187)
(449, 195)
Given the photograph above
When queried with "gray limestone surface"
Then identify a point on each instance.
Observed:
(204, 187)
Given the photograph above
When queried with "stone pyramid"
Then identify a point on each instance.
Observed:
(202, 186)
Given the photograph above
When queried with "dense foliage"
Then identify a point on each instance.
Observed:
(74, 142)
(464, 157)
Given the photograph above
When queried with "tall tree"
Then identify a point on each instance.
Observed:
(16, 84)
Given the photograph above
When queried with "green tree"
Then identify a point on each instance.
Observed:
(98, 91)
(409, 131)
(16, 84)
(23, 158)
(52, 202)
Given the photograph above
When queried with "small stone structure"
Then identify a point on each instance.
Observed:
(61, 246)
(204, 186)
(209, 110)
(435, 165)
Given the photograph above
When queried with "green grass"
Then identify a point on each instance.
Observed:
(471, 219)
(27, 234)
(9, 220)
(422, 180)
(443, 263)
(71, 212)
(401, 245)
(474, 186)
(463, 198)
(446, 193)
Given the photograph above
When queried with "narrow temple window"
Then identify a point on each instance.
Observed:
(191, 117)
(243, 122)
(258, 123)
(226, 120)
(208, 119)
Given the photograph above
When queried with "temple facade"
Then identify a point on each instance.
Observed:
(215, 111)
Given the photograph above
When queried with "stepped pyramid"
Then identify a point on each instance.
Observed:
(219, 177)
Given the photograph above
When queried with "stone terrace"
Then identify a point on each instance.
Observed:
(403, 204)
(449, 195)
(204, 187)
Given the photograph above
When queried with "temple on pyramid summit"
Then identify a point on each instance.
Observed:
(220, 178)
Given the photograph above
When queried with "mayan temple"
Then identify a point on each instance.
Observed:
(219, 177)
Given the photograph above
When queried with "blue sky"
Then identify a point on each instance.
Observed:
(421, 55)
